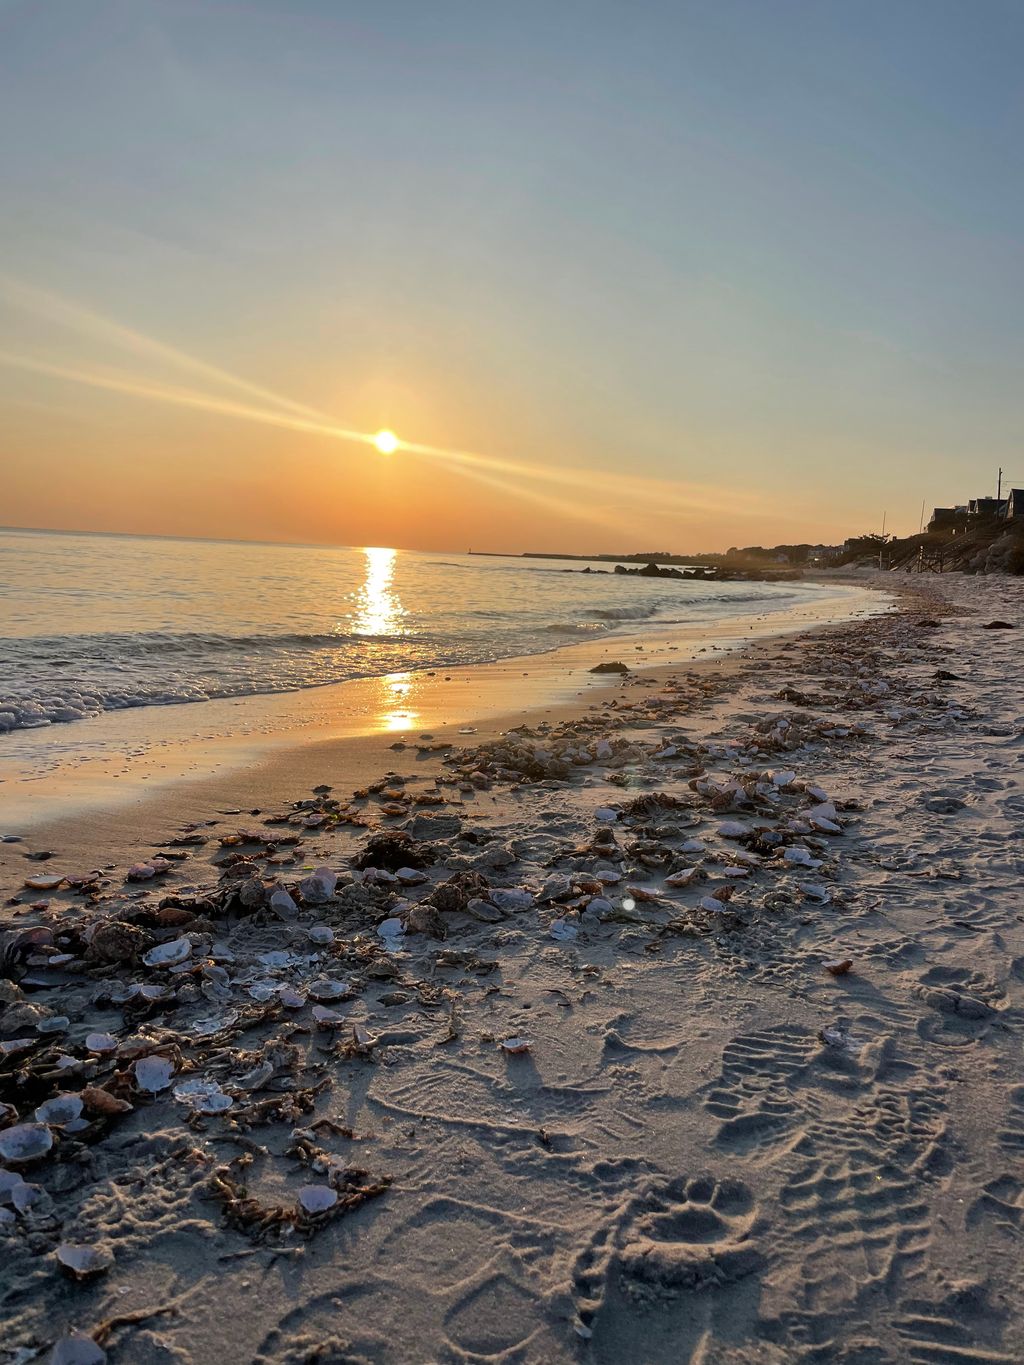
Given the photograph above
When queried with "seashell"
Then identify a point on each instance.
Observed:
(100, 1101)
(282, 903)
(732, 829)
(25, 1142)
(511, 899)
(101, 1042)
(816, 893)
(77, 1349)
(153, 1073)
(693, 846)
(62, 1111)
(391, 928)
(213, 1023)
(839, 966)
(607, 877)
(57, 1023)
(262, 991)
(563, 930)
(23, 1196)
(599, 906)
(278, 958)
(318, 888)
(257, 1077)
(327, 1018)
(411, 876)
(683, 877)
(800, 857)
(169, 954)
(12, 1046)
(290, 998)
(317, 1198)
(326, 988)
(84, 1261)
(10, 1181)
(641, 893)
(320, 934)
(362, 1036)
(713, 905)
(43, 883)
(606, 815)
(203, 1096)
(515, 1045)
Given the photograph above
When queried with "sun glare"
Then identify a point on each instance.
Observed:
(386, 442)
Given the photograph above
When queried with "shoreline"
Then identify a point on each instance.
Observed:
(157, 779)
(689, 1018)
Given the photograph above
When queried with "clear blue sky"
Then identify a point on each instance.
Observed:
(773, 249)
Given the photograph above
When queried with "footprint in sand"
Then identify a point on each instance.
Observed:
(670, 1241)
(1002, 1201)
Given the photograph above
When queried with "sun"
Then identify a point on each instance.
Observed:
(386, 442)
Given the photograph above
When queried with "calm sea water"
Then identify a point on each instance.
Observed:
(93, 623)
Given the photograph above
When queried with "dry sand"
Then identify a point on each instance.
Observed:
(712, 1149)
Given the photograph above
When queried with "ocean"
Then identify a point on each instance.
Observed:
(91, 624)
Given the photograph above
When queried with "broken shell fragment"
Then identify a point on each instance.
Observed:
(203, 1096)
(77, 1349)
(83, 1261)
(43, 883)
(839, 966)
(326, 988)
(315, 1199)
(25, 1142)
(515, 1045)
(326, 1018)
(62, 1111)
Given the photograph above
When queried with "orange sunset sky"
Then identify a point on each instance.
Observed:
(684, 277)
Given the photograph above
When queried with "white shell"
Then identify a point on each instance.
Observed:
(9, 1182)
(317, 1198)
(282, 903)
(326, 988)
(76, 1349)
(563, 930)
(320, 934)
(84, 1260)
(43, 883)
(511, 898)
(153, 1074)
(326, 1018)
(411, 876)
(168, 954)
(62, 1111)
(683, 877)
(25, 1142)
(101, 1042)
(204, 1096)
(732, 829)
(606, 815)
(515, 1045)
(57, 1023)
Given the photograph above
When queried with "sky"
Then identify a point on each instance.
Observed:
(671, 276)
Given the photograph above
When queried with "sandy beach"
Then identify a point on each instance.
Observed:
(679, 1021)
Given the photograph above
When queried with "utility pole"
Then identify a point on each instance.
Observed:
(999, 486)
(920, 527)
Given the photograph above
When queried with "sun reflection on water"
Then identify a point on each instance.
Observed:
(378, 608)
(395, 714)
